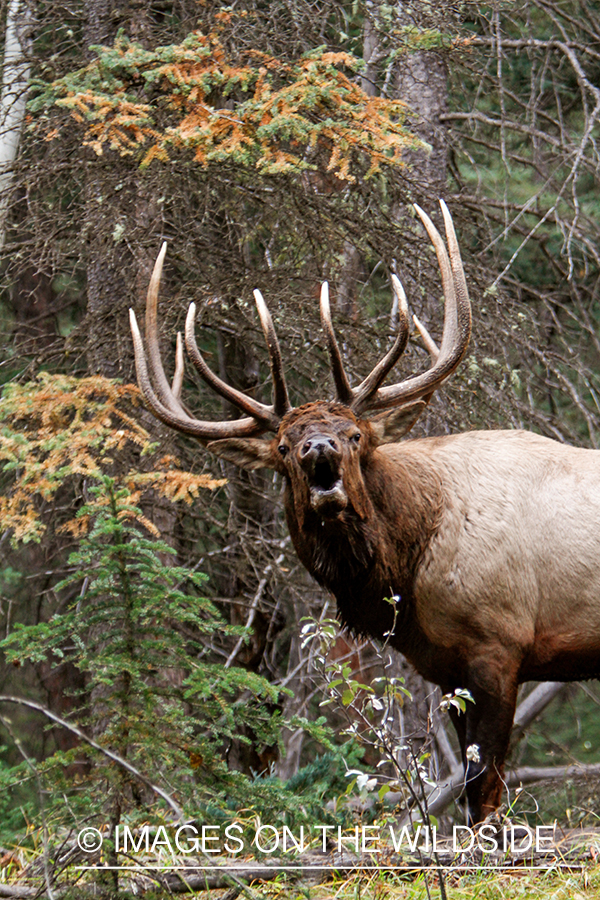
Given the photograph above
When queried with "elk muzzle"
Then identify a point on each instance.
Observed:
(320, 458)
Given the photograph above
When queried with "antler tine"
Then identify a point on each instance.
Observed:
(163, 389)
(369, 387)
(457, 321)
(261, 413)
(210, 431)
(179, 368)
(463, 306)
(457, 314)
(281, 400)
(344, 392)
(430, 344)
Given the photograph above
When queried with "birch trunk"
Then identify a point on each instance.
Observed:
(13, 100)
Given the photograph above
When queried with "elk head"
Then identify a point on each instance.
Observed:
(320, 447)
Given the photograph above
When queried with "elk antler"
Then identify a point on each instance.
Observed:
(163, 399)
(369, 386)
(457, 331)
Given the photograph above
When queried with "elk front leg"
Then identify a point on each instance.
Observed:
(487, 728)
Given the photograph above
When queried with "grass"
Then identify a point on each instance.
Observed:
(578, 884)
(579, 881)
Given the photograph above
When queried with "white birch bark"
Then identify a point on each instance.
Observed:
(13, 98)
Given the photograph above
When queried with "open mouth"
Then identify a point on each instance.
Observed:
(324, 476)
(327, 493)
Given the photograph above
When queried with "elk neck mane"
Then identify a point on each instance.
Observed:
(372, 550)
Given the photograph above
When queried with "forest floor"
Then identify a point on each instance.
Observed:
(570, 871)
(581, 883)
(567, 866)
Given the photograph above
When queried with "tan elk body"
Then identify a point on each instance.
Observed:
(489, 541)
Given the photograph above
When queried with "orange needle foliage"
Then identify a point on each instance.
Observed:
(260, 113)
(60, 427)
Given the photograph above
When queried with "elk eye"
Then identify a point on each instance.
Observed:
(283, 449)
(355, 438)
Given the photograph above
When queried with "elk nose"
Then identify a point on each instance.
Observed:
(320, 444)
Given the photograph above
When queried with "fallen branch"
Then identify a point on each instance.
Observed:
(533, 705)
(15, 890)
(440, 799)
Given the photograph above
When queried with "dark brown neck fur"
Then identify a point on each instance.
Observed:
(367, 557)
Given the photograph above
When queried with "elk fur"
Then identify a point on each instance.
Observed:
(489, 541)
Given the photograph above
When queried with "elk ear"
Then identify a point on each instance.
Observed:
(247, 453)
(389, 427)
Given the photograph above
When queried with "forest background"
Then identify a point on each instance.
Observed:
(150, 599)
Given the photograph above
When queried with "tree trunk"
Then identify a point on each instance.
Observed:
(251, 528)
(422, 84)
(13, 100)
(117, 206)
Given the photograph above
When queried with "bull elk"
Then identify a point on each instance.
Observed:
(488, 542)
